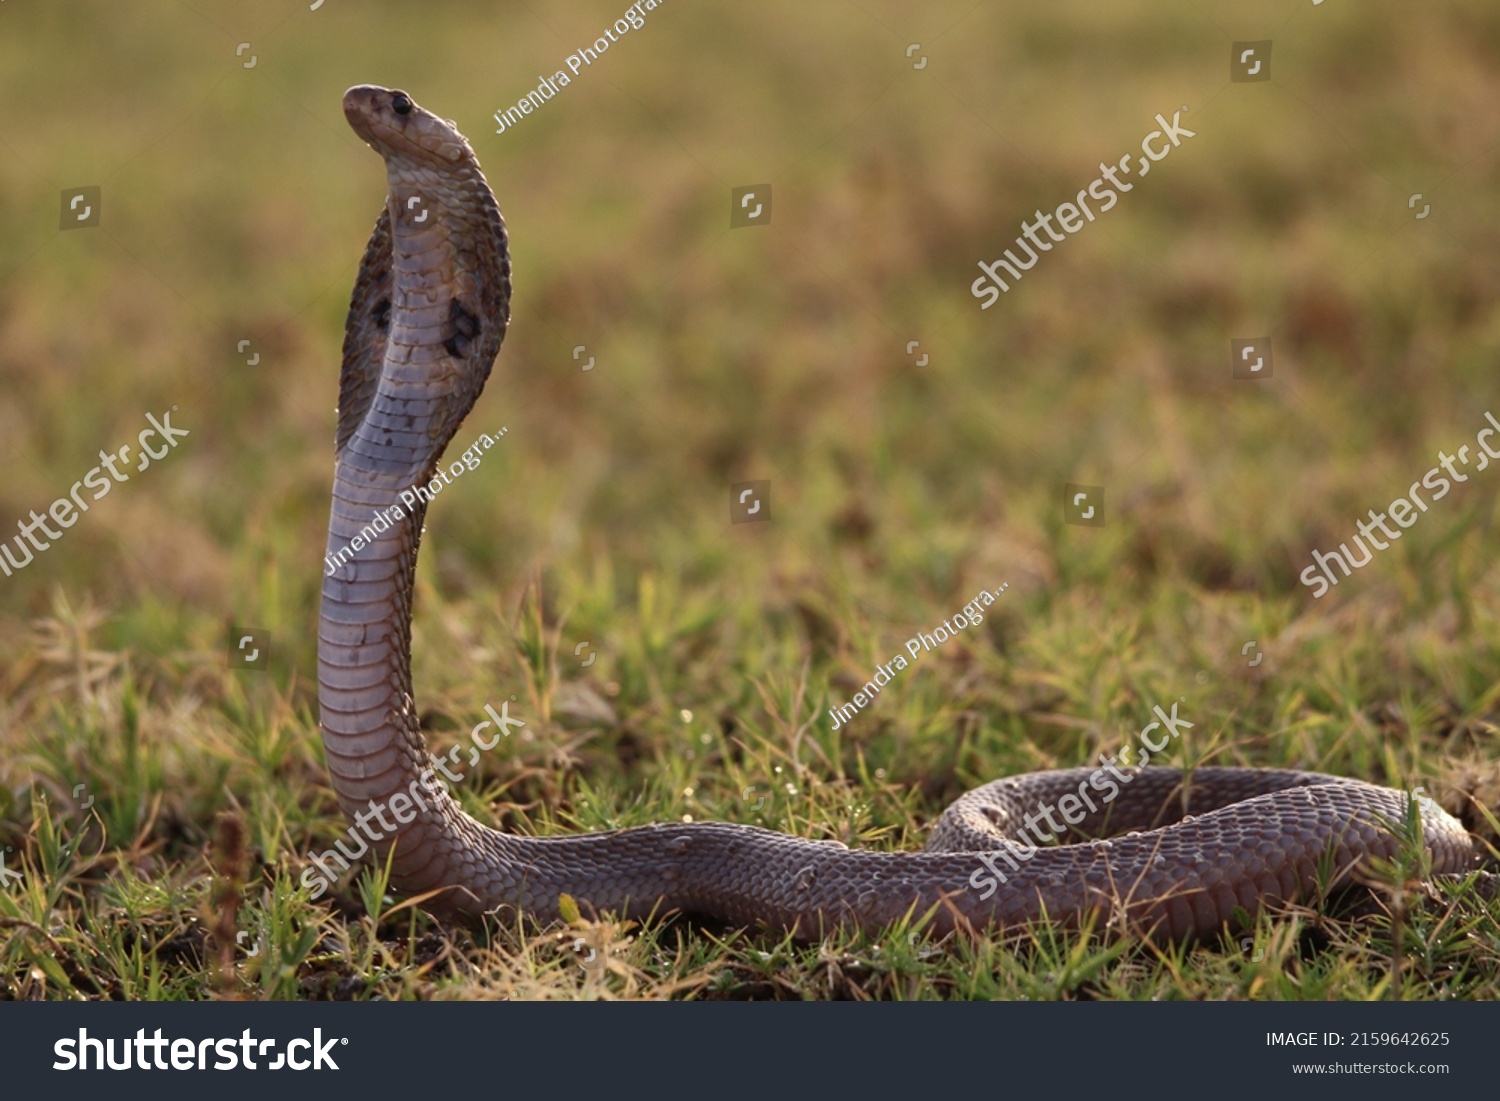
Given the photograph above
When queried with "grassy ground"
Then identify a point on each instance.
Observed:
(159, 805)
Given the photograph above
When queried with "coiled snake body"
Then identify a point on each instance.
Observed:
(428, 313)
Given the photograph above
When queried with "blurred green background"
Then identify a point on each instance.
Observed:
(236, 204)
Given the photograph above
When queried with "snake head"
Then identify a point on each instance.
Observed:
(400, 131)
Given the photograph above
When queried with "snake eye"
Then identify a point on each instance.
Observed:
(400, 103)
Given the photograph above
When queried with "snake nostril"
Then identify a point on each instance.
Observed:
(400, 103)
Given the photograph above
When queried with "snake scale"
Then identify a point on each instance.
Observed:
(426, 319)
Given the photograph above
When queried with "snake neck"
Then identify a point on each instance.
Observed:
(425, 322)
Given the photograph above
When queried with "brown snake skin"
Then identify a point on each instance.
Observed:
(427, 316)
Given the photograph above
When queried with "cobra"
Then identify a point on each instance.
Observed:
(428, 313)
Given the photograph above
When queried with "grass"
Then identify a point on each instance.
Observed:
(236, 205)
